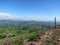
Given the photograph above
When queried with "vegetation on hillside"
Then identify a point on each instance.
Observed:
(18, 33)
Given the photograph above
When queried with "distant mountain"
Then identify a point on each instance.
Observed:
(19, 22)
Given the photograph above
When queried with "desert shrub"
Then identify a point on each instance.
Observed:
(19, 42)
(2, 36)
(49, 42)
(32, 36)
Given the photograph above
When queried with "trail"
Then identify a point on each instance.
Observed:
(42, 40)
(47, 34)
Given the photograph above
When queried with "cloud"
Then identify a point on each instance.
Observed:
(11, 16)
(5, 16)
(28, 17)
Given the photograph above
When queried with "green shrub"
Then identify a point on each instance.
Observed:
(49, 42)
(19, 42)
(32, 36)
(2, 36)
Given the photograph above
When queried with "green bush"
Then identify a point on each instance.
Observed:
(2, 36)
(19, 42)
(49, 42)
(32, 36)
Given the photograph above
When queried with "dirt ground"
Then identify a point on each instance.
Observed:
(42, 40)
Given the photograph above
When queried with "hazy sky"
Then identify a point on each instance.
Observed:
(30, 9)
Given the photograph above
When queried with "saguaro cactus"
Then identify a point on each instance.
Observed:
(49, 25)
(42, 28)
(55, 22)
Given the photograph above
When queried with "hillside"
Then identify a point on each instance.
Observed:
(14, 32)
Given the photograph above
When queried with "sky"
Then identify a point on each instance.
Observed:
(38, 10)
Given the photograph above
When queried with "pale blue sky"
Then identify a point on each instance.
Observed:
(30, 9)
